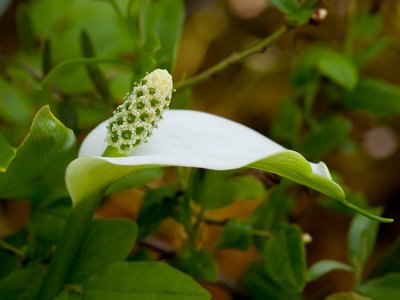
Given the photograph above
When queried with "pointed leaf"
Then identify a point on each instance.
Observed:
(322, 267)
(386, 287)
(142, 280)
(39, 163)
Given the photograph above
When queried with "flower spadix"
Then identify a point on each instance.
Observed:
(134, 120)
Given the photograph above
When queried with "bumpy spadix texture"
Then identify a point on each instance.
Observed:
(134, 120)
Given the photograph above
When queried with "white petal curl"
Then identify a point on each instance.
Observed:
(194, 139)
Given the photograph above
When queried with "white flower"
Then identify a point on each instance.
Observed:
(134, 120)
(197, 139)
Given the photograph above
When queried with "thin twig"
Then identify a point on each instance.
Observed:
(232, 59)
(11, 248)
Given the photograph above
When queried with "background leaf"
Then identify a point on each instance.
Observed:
(108, 241)
(386, 287)
(284, 255)
(322, 267)
(127, 280)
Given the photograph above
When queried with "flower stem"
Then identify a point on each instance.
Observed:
(8, 247)
(75, 230)
(112, 152)
(232, 59)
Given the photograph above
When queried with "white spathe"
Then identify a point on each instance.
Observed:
(194, 139)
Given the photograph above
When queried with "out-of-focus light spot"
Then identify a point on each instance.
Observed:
(210, 22)
(247, 9)
(380, 142)
(261, 62)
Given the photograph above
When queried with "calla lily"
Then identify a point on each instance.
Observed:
(197, 139)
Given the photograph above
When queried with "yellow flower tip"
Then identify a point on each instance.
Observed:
(134, 120)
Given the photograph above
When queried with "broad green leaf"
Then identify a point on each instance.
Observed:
(108, 241)
(259, 285)
(386, 287)
(346, 296)
(165, 20)
(361, 240)
(322, 267)
(375, 96)
(331, 134)
(199, 264)
(39, 163)
(236, 234)
(219, 189)
(207, 143)
(284, 256)
(7, 153)
(21, 284)
(142, 280)
(296, 12)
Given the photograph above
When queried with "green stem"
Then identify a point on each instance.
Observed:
(232, 59)
(75, 231)
(112, 152)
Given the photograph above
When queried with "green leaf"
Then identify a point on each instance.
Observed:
(236, 234)
(218, 189)
(38, 167)
(366, 24)
(25, 29)
(288, 121)
(346, 296)
(284, 256)
(387, 286)
(168, 32)
(7, 153)
(322, 267)
(108, 241)
(295, 12)
(375, 96)
(142, 280)
(331, 134)
(337, 68)
(157, 205)
(199, 264)
(361, 240)
(9, 262)
(46, 57)
(331, 64)
(94, 72)
(48, 223)
(389, 262)
(21, 284)
(260, 285)
(270, 214)
(370, 51)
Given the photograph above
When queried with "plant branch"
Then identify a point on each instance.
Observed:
(232, 59)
